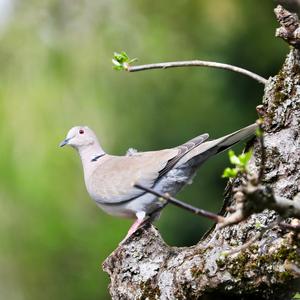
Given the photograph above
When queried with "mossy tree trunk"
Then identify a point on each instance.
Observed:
(146, 268)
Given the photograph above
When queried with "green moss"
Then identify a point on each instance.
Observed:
(240, 265)
(279, 95)
(264, 259)
(286, 252)
(149, 292)
(284, 276)
(253, 248)
(285, 87)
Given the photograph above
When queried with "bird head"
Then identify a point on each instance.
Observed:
(79, 137)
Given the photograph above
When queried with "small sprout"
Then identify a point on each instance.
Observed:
(240, 162)
(121, 61)
(230, 173)
(233, 158)
(258, 225)
(244, 158)
(121, 57)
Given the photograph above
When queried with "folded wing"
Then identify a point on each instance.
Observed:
(112, 181)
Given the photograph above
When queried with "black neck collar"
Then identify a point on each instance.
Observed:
(97, 157)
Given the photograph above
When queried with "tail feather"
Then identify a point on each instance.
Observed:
(233, 138)
(207, 149)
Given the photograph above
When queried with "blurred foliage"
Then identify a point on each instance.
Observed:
(296, 296)
(56, 72)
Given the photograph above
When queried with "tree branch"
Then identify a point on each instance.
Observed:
(289, 30)
(252, 197)
(196, 63)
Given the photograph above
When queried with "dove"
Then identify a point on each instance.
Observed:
(110, 180)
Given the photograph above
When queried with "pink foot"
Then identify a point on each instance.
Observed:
(135, 226)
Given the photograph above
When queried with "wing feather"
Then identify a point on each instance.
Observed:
(183, 150)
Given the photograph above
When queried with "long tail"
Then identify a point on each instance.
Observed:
(205, 150)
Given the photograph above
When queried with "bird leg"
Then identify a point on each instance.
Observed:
(141, 219)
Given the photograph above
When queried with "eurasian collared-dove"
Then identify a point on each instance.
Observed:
(110, 179)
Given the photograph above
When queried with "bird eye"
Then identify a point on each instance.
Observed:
(81, 131)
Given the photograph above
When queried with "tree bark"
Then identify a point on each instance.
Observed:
(146, 268)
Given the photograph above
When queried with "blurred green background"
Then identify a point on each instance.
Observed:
(56, 72)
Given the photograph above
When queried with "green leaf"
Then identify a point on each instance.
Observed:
(120, 57)
(296, 296)
(118, 68)
(230, 173)
(245, 157)
(240, 162)
(124, 55)
(115, 62)
(233, 158)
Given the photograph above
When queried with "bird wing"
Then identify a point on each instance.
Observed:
(112, 181)
(182, 151)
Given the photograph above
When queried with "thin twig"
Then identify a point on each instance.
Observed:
(196, 63)
(172, 200)
(290, 226)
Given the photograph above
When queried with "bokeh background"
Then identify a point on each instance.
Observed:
(56, 72)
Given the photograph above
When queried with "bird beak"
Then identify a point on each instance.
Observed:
(64, 142)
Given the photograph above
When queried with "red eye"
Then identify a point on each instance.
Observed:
(81, 131)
